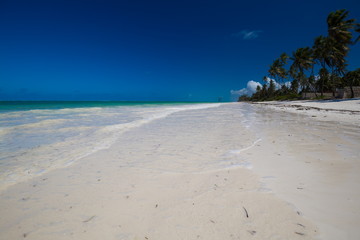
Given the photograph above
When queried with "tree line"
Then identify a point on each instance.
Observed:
(320, 68)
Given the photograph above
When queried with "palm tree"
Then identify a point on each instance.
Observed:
(358, 31)
(282, 73)
(339, 28)
(352, 78)
(302, 60)
(294, 73)
(326, 53)
(340, 35)
(324, 80)
(321, 55)
(273, 69)
(277, 70)
(329, 52)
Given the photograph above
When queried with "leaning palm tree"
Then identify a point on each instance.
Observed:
(277, 70)
(339, 28)
(326, 54)
(273, 69)
(340, 34)
(282, 73)
(302, 60)
(320, 55)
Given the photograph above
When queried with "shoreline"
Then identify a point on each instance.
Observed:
(200, 174)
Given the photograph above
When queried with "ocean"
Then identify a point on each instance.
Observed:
(36, 137)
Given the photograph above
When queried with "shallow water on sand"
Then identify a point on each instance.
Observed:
(34, 141)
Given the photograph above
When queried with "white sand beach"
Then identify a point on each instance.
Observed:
(232, 171)
(341, 111)
(324, 137)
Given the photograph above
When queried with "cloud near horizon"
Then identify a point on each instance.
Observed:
(247, 35)
(251, 88)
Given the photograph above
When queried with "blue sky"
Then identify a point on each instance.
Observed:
(151, 50)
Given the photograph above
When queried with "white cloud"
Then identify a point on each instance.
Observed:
(287, 84)
(247, 35)
(252, 85)
(277, 85)
(249, 90)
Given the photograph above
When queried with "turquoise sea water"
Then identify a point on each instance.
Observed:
(29, 105)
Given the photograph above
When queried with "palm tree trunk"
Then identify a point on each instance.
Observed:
(322, 80)
(332, 80)
(352, 90)
(312, 84)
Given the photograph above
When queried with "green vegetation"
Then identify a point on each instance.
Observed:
(318, 69)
